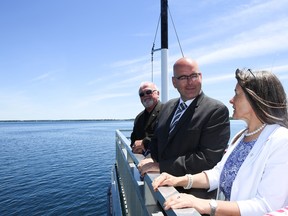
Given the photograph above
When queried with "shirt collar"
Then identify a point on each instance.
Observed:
(188, 102)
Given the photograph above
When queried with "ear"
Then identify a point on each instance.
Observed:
(174, 82)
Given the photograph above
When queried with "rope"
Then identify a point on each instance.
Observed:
(152, 50)
(175, 32)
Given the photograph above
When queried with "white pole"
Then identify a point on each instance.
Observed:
(164, 75)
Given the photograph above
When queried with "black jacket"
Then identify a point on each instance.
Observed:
(144, 125)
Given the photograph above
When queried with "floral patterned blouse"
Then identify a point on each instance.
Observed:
(232, 166)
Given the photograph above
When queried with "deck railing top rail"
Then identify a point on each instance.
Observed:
(137, 193)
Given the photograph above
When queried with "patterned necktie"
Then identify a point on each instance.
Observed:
(182, 106)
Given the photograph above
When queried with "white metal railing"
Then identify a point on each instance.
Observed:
(137, 195)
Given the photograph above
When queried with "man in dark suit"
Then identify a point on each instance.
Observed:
(145, 121)
(195, 142)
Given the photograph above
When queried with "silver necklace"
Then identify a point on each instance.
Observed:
(254, 132)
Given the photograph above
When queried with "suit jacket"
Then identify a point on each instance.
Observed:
(197, 142)
(143, 128)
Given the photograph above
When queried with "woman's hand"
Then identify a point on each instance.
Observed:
(179, 201)
(164, 179)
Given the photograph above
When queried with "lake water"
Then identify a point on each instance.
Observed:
(58, 167)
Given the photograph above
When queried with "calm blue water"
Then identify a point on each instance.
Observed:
(58, 168)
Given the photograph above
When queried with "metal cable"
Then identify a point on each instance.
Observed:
(176, 32)
(152, 50)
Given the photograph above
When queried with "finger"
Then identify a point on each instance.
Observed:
(135, 149)
(173, 202)
(155, 185)
(159, 181)
(169, 204)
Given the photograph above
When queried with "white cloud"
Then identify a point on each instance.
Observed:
(42, 77)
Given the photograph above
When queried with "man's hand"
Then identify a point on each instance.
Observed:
(138, 147)
(148, 165)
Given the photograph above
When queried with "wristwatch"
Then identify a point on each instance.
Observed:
(213, 206)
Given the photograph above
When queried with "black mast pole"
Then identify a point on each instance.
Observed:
(164, 24)
(164, 50)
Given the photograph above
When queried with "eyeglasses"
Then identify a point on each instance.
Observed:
(193, 76)
(147, 92)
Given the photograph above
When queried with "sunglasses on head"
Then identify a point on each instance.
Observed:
(147, 92)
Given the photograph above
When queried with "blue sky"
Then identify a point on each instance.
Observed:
(85, 59)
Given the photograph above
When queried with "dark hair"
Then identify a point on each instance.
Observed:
(266, 95)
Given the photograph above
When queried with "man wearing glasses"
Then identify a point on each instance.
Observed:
(145, 121)
(192, 132)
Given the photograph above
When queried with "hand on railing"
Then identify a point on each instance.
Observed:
(164, 179)
(138, 147)
(148, 165)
